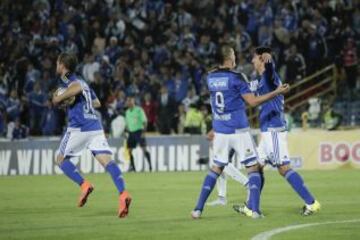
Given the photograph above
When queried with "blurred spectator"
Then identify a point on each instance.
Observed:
(166, 112)
(350, 63)
(17, 131)
(180, 119)
(194, 120)
(90, 68)
(37, 103)
(49, 120)
(295, 65)
(332, 120)
(191, 98)
(150, 108)
(138, 46)
(13, 106)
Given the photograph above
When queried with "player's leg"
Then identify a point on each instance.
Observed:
(246, 149)
(70, 146)
(142, 141)
(235, 174)
(293, 178)
(222, 189)
(262, 150)
(101, 151)
(221, 151)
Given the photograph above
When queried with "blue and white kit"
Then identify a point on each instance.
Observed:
(84, 127)
(273, 146)
(230, 123)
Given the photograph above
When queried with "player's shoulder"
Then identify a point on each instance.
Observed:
(230, 72)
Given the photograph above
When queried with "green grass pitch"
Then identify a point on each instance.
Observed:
(44, 207)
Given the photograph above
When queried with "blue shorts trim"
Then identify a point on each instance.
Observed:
(220, 164)
(245, 162)
(101, 152)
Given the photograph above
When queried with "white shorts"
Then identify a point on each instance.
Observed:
(273, 148)
(241, 142)
(74, 141)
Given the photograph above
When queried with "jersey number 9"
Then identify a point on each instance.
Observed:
(219, 102)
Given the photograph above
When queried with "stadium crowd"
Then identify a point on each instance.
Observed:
(158, 51)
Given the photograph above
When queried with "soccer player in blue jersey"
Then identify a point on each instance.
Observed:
(229, 91)
(84, 131)
(273, 144)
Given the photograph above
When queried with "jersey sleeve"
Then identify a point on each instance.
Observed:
(241, 84)
(270, 73)
(93, 94)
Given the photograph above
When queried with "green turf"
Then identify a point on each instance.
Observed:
(44, 207)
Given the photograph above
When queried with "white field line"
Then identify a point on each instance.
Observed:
(267, 235)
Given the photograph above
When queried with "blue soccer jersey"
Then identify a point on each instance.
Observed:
(228, 107)
(271, 114)
(82, 113)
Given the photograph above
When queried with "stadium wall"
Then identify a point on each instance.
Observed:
(313, 149)
(170, 153)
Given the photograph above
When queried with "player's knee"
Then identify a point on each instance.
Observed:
(103, 159)
(253, 168)
(283, 169)
(217, 169)
(59, 159)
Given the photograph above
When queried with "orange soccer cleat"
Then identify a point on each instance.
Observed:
(86, 189)
(124, 204)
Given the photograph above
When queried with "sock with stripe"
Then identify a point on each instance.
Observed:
(297, 183)
(113, 169)
(254, 191)
(71, 171)
(207, 187)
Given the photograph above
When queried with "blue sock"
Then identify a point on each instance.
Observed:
(254, 191)
(262, 180)
(71, 171)
(298, 185)
(116, 176)
(207, 187)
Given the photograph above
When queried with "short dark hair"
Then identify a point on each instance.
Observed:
(262, 49)
(69, 60)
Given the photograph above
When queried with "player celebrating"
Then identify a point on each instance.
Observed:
(84, 131)
(273, 143)
(229, 91)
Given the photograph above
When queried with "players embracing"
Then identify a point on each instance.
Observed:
(84, 130)
(229, 91)
(273, 147)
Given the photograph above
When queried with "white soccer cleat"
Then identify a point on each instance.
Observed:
(311, 209)
(196, 214)
(220, 201)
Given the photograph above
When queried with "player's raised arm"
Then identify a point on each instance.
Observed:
(264, 64)
(254, 101)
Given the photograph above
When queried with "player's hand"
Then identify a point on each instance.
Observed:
(210, 135)
(56, 100)
(284, 88)
(266, 57)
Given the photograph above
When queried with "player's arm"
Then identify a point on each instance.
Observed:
(73, 90)
(143, 119)
(269, 68)
(94, 99)
(96, 103)
(254, 101)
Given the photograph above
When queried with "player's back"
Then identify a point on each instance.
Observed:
(228, 107)
(81, 114)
